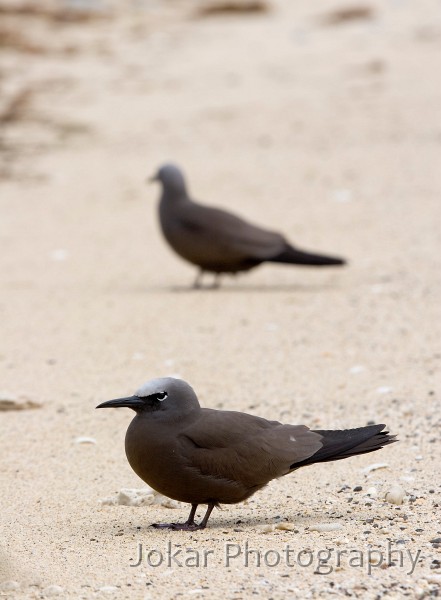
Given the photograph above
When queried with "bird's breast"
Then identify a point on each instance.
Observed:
(163, 458)
(180, 237)
(151, 453)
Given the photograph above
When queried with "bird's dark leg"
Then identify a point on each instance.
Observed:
(189, 524)
(204, 521)
(190, 520)
(198, 281)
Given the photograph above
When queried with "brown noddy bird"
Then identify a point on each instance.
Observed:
(218, 241)
(205, 456)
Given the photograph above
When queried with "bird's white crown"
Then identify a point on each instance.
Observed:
(154, 386)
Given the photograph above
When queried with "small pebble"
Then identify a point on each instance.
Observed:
(326, 527)
(395, 495)
(53, 590)
(9, 586)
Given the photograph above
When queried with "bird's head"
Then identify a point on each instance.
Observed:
(171, 178)
(165, 394)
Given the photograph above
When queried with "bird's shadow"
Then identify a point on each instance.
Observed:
(247, 524)
(238, 289)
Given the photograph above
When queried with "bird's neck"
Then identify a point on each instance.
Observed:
(173, 197)
(166, 418)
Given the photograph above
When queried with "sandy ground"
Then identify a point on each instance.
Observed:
(327, 132)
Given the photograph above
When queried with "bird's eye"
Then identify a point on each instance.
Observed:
(161, 396)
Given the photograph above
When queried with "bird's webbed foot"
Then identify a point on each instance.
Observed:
(189, 524)
(179, 526)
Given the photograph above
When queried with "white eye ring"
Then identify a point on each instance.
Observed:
(161, 396)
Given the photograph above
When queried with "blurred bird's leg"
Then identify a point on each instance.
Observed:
(216, 281)
(197, 285)
(198, 281)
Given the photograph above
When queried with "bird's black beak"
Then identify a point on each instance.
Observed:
(133, 402)
(153, 178)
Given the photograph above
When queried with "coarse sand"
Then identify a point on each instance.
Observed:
(321, 123)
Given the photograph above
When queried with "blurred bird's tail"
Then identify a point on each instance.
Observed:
(348, 442)
(298, 257)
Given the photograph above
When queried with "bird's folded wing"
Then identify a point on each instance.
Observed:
(245, 448)
(230, 233)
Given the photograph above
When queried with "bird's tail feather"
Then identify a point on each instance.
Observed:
(349, 442)
(299, 257)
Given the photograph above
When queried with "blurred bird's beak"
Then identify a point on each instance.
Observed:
(130, 402)
(153, 178)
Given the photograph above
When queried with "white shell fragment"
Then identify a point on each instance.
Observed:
(267, 528)
(59, 254)
(375, 467)
(342, 195)
(108, 589)
(139, 497)
(326, 527)
(85, 440)
(285, 526)
(384, 389)
(395, 495)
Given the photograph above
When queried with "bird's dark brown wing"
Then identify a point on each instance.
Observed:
(241, 447)
(226, 236)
